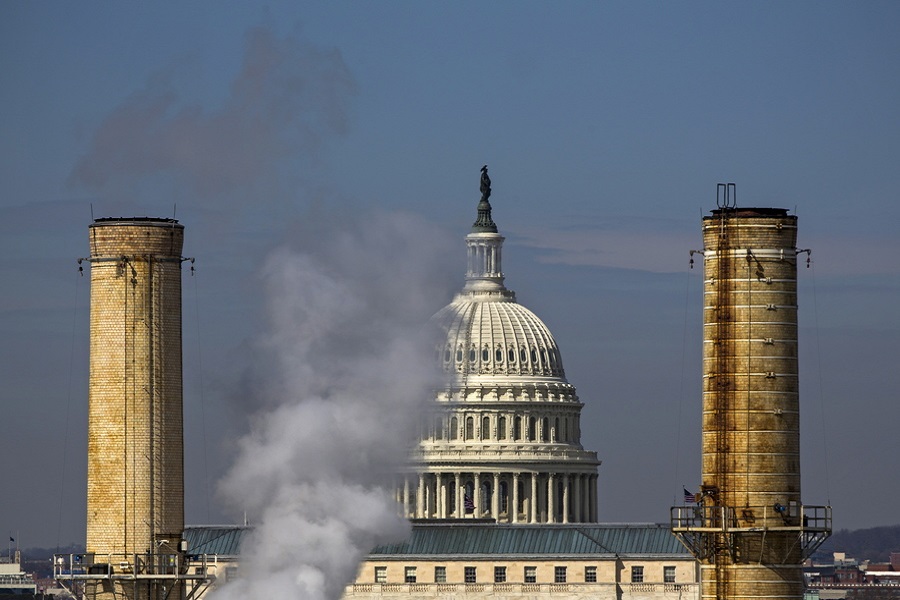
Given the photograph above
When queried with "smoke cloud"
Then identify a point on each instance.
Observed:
(346, 371)
(286, 100)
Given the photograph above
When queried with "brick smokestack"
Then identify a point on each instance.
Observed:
(135, 499)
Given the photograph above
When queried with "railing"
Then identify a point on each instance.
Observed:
(696, 525)
(674, 590)
(92, 566)
(751, 518)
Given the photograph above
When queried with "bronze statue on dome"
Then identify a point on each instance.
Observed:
(485, 184)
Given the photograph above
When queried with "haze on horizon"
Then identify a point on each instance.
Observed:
(606, 128)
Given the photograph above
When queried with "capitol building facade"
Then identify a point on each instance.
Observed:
(500, 492)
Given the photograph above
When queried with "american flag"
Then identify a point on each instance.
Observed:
(468, 503)
(689, 498)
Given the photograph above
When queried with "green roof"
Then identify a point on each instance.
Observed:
(456, 538)
(433, 539)
(214, 539)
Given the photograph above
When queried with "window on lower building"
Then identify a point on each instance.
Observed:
(590, 574)
(499, 574)
(669, 574)
(530, 574)
(559, 575)
(380, 574)
(470, 575)
(440, 574)
(409, 574)
(637, 574)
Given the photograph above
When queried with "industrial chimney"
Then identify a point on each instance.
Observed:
(750, 529)
(135, 499)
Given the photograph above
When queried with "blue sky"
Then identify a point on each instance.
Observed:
(606, 127)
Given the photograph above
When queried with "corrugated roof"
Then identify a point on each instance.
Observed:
(221, 540)
(574, 539)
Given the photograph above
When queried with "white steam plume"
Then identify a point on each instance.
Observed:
(348, 370)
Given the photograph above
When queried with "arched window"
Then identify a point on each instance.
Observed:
(485, 354)
(533, 357)
(498, 356)
(454, 429)
(470, 428)
(545, 429)
(438, 428)
(517, 433)
(531, 436)
(485, 428)
(504, 497)
(555, 436)
(523, 355)
(512, 354)
(501, 428)
(472, 354)
(486, 497)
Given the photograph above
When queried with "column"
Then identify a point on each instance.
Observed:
(515, 499)
(534, 502)
(440, 496)
(458, 505)
(476, 495)
(576, 490)
(565, 498)
(420, 497)
(586, 497)
(551, 497)
(406, 496)
(593, 503)
(495, 498)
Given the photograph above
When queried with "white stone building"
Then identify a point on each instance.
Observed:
(505, 439)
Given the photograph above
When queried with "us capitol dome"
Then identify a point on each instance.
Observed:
(504, 440)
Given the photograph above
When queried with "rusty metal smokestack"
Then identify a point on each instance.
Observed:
(750, 530)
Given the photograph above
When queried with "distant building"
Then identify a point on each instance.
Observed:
(13, 580)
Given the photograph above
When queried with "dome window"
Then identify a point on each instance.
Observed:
(523, 355)
(512, 355)
(533, 357)
(543, 356)
(472, 355)
(459, 355)
(447, 354)
(485, 355)
(498, 355)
